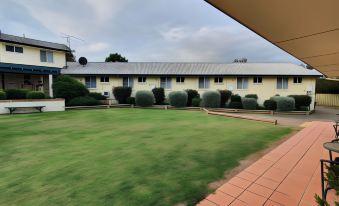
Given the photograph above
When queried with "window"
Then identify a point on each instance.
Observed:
(282, 83)
(165, 82)
(16, 49)
(127, 81)
(46, 56)
(104, 79)
(297, 80)
(91, 82)
(257, 80)
(242, 82)
(142, 79)
(180, 79)
(106, 94)
(218, 80)
(204, 83)
(27, 79)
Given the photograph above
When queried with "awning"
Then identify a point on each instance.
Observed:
(28, 69)
(306, 29)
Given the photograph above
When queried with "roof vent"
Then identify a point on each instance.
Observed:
(83, 61)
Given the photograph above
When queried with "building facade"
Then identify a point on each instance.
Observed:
(265, 80)
(30, 64)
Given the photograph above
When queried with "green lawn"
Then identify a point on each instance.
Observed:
(121, 156)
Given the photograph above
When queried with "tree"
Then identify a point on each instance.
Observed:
(115, 58)
(68, 88)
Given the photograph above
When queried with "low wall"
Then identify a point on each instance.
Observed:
(327, 100)
(51, 105)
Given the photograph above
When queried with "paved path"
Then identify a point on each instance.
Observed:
(288, 175)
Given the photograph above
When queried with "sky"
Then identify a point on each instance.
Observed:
(142, 31)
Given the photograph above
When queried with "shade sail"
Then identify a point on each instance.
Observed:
(28, 69)
(306, 29)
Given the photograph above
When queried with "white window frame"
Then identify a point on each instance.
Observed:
(256, 80)
(297, 78)
(243, 85)
(106, 95)
(205, 82)
(217, 80)
(142, 79)
(284, 84)
(49, 56)
(180, 79)
(14, 49)
(129, 82)
(91, 80)
(168, 82)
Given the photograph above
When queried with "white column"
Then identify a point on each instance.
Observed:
(50, 82)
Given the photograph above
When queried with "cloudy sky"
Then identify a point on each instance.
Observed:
(150, 30)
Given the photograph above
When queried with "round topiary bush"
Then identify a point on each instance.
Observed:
(144, 98)
(235, 105)
(130, 100)
(159, 95)
(3, 95)
(191, 94)
(301, 101)
(68, 88)
(122, 93)
(225, 95)
(284, 104)
(35, 95)
(196, 102)
(211, 99)
(83, 101)
(255, 96)
(16, 93)
(178, 99)
(270, 104)
(97, 96)
(235, 98)
(249, 103)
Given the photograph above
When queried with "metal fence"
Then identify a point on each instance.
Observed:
(328, 100)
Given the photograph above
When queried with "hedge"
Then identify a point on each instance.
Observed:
(255, 96)
(144, 98)
(83, 101)
(225, 95)
(301, 101)
(235, 105)
(211, 99)
(159, 95)
(191, 94)
(235, 98)
(97, 96)
(130, 100)
(284, 103)
(122, 93)
(35, 95)
(68, 88)
(249, 103)
(16, 93)
(196, 102)
(178, 98)
(3, 95)
(270, 104)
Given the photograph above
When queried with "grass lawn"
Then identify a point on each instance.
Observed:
(121, 156)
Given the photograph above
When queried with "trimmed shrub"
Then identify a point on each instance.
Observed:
(260, 107)
(97, 96)
(178, 98)
(255, 96)
(159, 95)
(191, 94)
(301, 101)
(235, 105)
(35, 95)
(3, 95)
(121, 94)
(130, 100)
(235, 98)
(225, 95)
(144, 98)
(304, 108)
(249, 103)
(196, 102)
(211, 99)
(83, 101)
(284, 103)
(68, 88)
(16, 93)
(270, 104)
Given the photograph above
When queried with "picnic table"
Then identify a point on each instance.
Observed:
(12, 109)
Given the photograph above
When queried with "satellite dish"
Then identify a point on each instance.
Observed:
(82, 61)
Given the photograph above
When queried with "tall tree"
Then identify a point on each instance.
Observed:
(116, 58)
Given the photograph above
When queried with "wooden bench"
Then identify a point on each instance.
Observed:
(12, 109)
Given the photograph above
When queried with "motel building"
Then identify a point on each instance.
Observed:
(264, 79)
(30, 64)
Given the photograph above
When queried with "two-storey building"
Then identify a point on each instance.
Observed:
(30, 64)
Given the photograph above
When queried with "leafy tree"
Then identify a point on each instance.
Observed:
(68, 88)
(115, 58)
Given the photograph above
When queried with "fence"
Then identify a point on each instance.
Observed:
(328, 100)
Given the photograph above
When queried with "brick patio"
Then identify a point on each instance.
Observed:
(288, 175)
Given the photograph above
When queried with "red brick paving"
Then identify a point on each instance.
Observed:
(288, 175)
